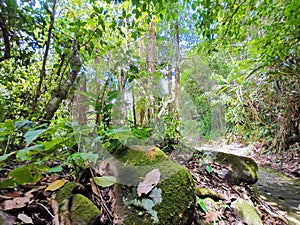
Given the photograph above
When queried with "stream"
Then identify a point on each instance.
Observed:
(279, 189)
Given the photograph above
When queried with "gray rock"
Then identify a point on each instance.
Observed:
(247, 212)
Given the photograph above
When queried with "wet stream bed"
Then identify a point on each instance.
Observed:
(282, 190)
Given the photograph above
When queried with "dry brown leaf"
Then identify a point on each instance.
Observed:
(26, 219)
(14, 194)
(18, 202)
(54, 206)
(55, 185)
(150, 181)
(211, 216)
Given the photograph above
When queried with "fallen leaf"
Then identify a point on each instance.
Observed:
(26, 219)
(211, 216)
(14, 194)
(150, 181)
(18, 202)
(55, 185)
(105, 181)
(7, 219)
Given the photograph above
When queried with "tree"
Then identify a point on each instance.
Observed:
(262, 38)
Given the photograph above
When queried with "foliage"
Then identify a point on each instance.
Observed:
(201, 204)
(44, 148)
(105, 181)
(242, 60)
(258, 77)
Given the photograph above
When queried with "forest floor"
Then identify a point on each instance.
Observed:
(282, 169)
(32, 205)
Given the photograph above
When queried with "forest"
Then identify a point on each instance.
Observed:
(120, 112)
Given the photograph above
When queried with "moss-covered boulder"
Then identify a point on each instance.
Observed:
(75, 209)
(83, 211)
(171, 201)
(241, 169)
(247, 212)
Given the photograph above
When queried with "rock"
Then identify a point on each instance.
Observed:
(293, 219)
(75, 208)
(171, 201)
(247, 212)
(83, 211)
(241, 169)
(206, 192)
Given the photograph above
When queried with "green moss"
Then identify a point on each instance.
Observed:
(64, 195)
(138, 155)
(206, 192)
(83, 211)
(243, 169)
(135, 162)
(176, 185)
(178, 198)
(247, 212)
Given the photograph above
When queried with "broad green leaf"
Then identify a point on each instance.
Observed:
(98, 10)
(50, 144)
(133, 68)
(6, 156)
(55, 169)
(31, 135)
(23, 124)
(26, 153)
(113, 94)
(105, 181)
(8, 183)
(22, 175)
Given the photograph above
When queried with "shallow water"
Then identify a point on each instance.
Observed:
(280, 189)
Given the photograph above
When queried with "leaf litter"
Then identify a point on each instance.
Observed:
(27, 204)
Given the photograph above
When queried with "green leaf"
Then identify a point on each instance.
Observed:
(22, 175)
(208, 168)
(202, 205)
(105, 181)
(8, 183)
(113, 94)
(6, 156)
(55, 169)
(51, 144)
(23, 124)
(133, 68)
(98, 10)
(31, 135)
(26, 153)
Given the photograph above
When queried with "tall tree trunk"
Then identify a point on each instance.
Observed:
(81, 107)
(151, 70)
(45, 58)
(177, 69)
(62, 91)
(170, 80)
(151, 48)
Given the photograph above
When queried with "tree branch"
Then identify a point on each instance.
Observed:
(5, 34)
(231, 17)
(63, 90)
(43, 70)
